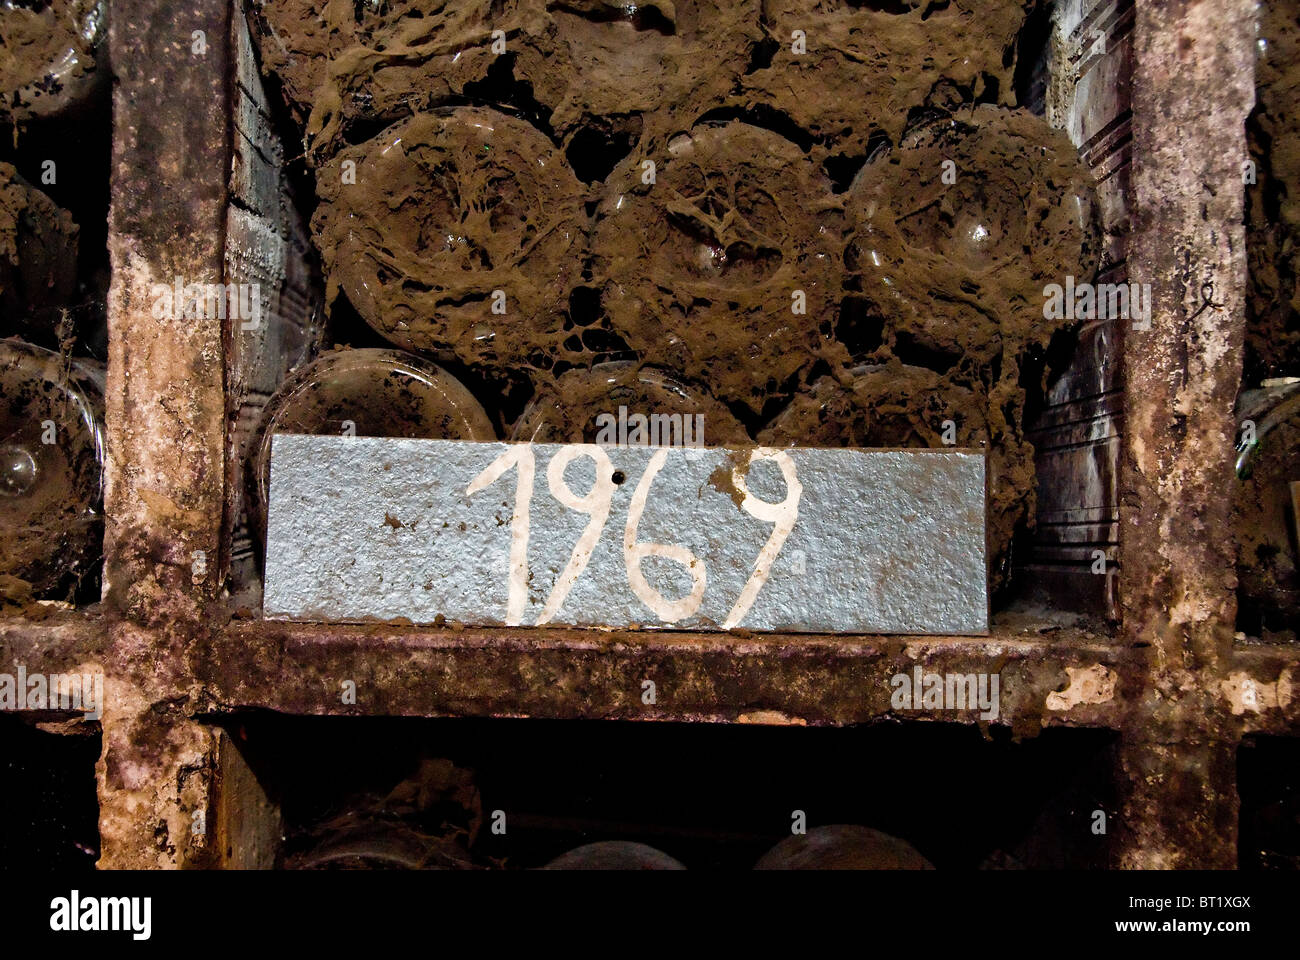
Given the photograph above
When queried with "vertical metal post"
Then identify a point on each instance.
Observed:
(165, 422)
(1193, 85)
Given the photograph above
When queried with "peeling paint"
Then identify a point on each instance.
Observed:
(1245, 694)
(1094, 684)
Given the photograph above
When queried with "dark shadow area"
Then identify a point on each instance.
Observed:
(51, 808)
(713, 796)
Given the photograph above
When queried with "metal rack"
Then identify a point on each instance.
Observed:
(1181, 690)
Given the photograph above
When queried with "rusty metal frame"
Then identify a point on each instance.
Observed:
(1180, 691)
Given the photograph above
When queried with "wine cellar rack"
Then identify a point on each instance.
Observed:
(197, 184)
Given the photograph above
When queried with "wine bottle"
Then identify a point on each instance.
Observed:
(843, 847)
(458, 232)
(621, 403)
(368, 393)
(52, 53)
(722, 261)
(51, 470)
(614, 855)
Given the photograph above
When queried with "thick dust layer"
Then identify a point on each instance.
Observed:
(727, 264)
(1273, 201)
(845, 71)
(47, 55)
(719, 247)
(656, 66)
(570, 408)
(958, 230)
(345, 61)
(38, 255)
(896, 405)
(464, 231)
(371, 393)
(358, 61)
(50, 486)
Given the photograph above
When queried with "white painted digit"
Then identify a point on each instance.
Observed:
(783, 515)
(521, 457)
(595, 504)
(670, 611)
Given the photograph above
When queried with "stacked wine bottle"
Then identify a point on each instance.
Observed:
(811, 227)
(51, 309)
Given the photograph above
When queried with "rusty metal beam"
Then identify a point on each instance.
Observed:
(165, 421)
(1193, 85)
(1175, 686)
(55, 643)
(1262, 689)
(1048, 675)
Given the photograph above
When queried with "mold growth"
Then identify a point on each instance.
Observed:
(959, 229)
(665, 61)
(569, 408)
(843, 69)
(723, 265)
(351, 63)
(460, 230)
(828, 220)
(48, 54)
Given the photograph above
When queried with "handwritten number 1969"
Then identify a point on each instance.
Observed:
(596, 504)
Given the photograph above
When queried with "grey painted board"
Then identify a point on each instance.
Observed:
(875, 541)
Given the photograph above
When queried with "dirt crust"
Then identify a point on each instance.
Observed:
(38, 255)
(349, 62)
(565, 409)
(959, 229)
(446, 209)
(48, 55)
(865, 67)
(726, 265)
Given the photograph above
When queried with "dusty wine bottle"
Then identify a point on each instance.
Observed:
(368, 393)
(843, 847)
(51, 53)
(51, 470)
(614, 855)
(719, 263)
(620, 404)
(959, 228)
(459, 232)
(38, 257)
